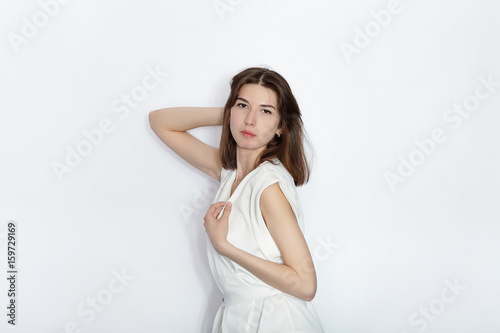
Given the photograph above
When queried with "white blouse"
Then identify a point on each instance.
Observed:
(250, 305)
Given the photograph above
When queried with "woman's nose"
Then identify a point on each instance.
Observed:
(250, 118)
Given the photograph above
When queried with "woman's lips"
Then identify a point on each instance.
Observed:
(247, 134)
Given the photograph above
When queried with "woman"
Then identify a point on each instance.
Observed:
(256, 249)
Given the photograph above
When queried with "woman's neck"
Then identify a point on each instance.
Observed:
(245, 161)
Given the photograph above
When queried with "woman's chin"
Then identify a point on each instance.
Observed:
(248, 146)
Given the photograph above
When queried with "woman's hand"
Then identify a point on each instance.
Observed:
(217, 228)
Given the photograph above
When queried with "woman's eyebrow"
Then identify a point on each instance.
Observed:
(264, 105)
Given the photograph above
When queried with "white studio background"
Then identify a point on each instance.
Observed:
(400, 100)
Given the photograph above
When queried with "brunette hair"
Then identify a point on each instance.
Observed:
(289, 147)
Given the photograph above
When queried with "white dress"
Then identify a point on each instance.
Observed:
(250, 305)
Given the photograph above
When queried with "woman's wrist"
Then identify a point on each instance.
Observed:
(186, 118)
(223, 247)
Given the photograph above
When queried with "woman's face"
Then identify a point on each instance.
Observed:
(254, 117)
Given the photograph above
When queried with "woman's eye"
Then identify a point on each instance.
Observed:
(266, 111)
(241, 105)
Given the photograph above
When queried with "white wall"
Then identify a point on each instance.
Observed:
(387, 257)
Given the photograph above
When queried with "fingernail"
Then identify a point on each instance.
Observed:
(229, 204)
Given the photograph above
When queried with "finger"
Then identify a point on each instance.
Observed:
(219, 207)
(215, 206)
(217, 212)
(227, 210)
(219, 204)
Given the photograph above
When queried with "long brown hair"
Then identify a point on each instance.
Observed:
(288, 148)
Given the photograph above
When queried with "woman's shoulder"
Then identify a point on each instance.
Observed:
(273, 169)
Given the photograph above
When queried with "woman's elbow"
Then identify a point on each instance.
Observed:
(153, 118)
(309, 293)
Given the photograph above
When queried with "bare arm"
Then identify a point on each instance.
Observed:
(297, 275)
(171, 126)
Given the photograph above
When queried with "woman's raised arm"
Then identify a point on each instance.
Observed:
(171, 126)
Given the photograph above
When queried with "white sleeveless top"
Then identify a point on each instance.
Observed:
(250, 305)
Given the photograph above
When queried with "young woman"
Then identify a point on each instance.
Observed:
(256, 249)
